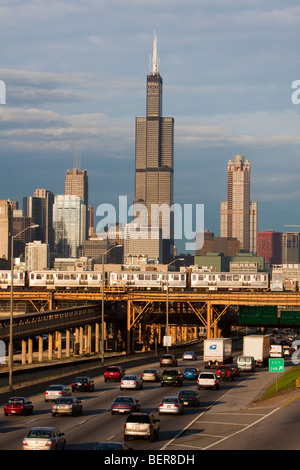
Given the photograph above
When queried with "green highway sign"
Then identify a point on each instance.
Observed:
(276, 365)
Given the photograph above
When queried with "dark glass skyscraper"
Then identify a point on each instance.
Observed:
(154, 152)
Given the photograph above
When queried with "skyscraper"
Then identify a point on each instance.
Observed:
(238, 213)
(154, 149)
(69, 223)
(76, 184)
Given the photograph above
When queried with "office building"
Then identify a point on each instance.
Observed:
(6, 214)
(37, 256)
(238, 214)
(269, 246)
(154, 149)
(211, 244)
(143, 242)
(291, 248)
(69, 224)
(76, 184)
(34, 207)
(48, 201)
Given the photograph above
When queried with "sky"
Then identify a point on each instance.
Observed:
(75, 80)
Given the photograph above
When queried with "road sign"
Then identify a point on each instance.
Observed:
(167, 341)
(276, 365)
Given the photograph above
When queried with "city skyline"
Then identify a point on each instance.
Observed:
(228, 71)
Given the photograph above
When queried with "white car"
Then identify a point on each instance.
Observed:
(208, 380)
(44, 438)
(170, 405)
(150, 375)
(56, 391)
(189, 356)
(131, 382)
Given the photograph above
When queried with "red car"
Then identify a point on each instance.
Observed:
(114, 373)
(224, 372)
(18, 406)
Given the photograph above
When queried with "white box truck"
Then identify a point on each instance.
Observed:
(217, 351)
(276, 350)
(257, 346)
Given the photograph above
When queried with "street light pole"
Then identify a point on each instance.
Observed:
(167, 301)
(11, 352)
(102, 303)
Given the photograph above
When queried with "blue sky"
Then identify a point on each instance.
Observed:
(75, 75)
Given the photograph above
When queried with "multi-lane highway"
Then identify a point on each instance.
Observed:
(226, 419)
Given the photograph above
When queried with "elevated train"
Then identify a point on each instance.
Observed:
(135, 280)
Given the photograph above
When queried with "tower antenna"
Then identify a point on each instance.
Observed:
(155, 60)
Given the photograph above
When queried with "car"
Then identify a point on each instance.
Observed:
(236, 370)
(131, 381)
(67, 406)
(125, 405)
(168, 360)
(189, 356)
(170, 405)
(55, 391)
(171, 377)
(208, 380)
(18, 406)
(44, 438)
(144, 425)
(225, 372)
(112, 446)
(189, 397)
(114, 373)
(83, 384)
(190, 373)
(150, 375)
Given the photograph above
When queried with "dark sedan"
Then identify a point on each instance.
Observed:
(124, 404)
(83, 384)
(189, 398)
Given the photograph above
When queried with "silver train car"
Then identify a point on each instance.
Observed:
(19, 279)
(64, 279)
(148, 280)
(229, 281)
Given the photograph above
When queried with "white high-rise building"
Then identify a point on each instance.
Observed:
(37, 256)
(69, 224)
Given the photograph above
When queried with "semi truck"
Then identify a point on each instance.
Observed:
(257, 346)
(217, 351)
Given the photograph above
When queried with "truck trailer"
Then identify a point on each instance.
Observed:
(217, 351)
(257, 346)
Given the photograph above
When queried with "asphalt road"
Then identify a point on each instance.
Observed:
(227, 419)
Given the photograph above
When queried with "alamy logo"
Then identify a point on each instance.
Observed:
(2, 92)
(296, 95)
(187, 222)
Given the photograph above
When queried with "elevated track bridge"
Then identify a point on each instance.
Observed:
(134, 317)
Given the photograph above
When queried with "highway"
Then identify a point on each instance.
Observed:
(226, 419)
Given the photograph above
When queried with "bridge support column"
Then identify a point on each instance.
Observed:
(59, 344)
(208, 320)
(40, 348)
(80, 340)
(29, 359)
(50, 346)
(128, 342)
(67, 343)
(89, 339)
(24, 351)
(97, 337)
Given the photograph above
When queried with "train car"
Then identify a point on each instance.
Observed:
(147, 280)
(64, 279)
(5, 279)
(229, 281)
